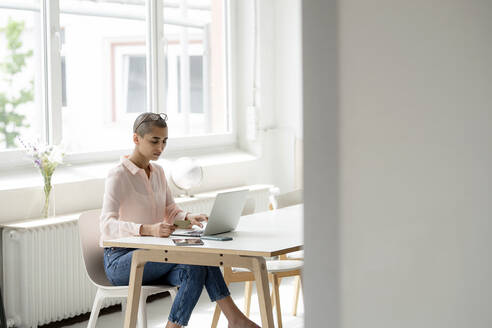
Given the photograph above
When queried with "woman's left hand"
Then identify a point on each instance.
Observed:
(196, 219)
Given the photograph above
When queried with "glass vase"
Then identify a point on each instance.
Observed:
(49, 200)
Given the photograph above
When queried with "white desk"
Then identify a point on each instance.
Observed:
(262, 234)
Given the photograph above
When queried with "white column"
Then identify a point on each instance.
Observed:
(185, 71)
(206, 79)
(155, 57)
(51, 71)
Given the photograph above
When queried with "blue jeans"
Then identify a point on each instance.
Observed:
(189, 278)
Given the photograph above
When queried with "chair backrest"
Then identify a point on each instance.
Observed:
(89, 241)
(290, 198)
(249, 206)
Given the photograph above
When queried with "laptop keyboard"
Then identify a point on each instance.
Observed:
(187, 232)
(195, 232)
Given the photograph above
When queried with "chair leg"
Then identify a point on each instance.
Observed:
(216, 317)
(96, 307)
(142, 312)
(123, 306)
(296, 295)
(275, 287)
(272, 295)
(247, 297)
(173, 293)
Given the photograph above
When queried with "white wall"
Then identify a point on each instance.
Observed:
(415, 81)
(288, 86)
(278, 96)
(288, 69)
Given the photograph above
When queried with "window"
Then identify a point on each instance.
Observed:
(64, 81)
(136, 83)
(196, 84)
(105, 78)
(128, 84)
(197, 70)
(63, 69)
(186, 100)
(20, 114)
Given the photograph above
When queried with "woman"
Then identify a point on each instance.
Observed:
(138, 202)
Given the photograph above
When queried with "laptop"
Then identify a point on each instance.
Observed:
(224, 217)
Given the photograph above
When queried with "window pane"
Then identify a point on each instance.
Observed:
(20, 77)
(196, 84)
(196, 79)
(105, 57)
(137, 84)
(64, 81)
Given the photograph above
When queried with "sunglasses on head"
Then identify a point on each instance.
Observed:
(153, 117)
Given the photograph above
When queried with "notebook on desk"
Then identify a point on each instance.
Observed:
(224, 217)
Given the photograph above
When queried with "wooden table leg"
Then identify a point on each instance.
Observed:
(261, 277)
(255, 263)
(134, 287)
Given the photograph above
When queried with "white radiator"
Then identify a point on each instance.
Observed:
(44, 278)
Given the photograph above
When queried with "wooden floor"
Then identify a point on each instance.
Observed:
(158, 311)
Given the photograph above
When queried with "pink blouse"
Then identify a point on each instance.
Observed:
(132, 199)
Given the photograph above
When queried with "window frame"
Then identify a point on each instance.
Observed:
(52, 85)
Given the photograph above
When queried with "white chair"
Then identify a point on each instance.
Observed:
(288, 199)
(249, 207)
(277, 269)
(94, 265)
(295, 260)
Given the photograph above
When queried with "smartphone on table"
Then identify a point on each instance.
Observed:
(187, 241)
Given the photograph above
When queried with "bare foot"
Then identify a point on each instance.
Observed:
(243, 323)
(172, 325)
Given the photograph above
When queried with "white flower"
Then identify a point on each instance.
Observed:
(46, 157)
(55, 155)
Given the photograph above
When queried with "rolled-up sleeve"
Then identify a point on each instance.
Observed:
(110, 225)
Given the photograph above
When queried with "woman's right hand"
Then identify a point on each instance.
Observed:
(160, 229)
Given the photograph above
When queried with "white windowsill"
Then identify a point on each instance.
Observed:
(30, 177)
